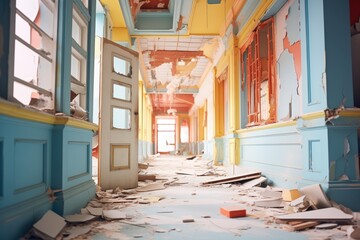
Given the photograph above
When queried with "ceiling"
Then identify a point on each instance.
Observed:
(175, 48)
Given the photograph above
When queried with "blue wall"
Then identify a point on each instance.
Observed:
(306, 149)
(37, 158)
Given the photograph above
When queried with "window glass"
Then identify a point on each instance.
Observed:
(121, 66)
(122, 92)
(34, 53)
(121, 118)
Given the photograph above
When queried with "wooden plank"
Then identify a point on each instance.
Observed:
(301, 226)
(79, 218)
(151, 187)
(272, 202)
(143, 165)
(144, 177)
(113, 214)
(237, 178)
(325, 214)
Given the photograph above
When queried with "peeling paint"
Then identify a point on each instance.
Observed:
(323, 74)
(289, 86)
(293, 22)
(295, 50)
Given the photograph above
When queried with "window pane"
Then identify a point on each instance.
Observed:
(184, 132)
(39, 13)
(121, 66)
(31, 67)
(121, 118)
(122, 92)
(75, 67)
(85, 2)
(32, 37)
(29, 96)
(166, 121)
(163, 127)
(166, 141)
(76, 32)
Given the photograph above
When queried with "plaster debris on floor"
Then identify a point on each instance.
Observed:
(205, 206)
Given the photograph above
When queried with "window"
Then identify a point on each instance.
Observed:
(79, 58)
(258, 75)
(33, 81)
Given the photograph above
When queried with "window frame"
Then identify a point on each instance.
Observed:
(52, 5)
(251, 75)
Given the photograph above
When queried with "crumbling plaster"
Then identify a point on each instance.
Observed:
(288, 58)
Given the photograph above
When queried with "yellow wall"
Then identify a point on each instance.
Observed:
(209, 17)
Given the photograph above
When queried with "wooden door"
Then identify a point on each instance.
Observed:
(118, 123)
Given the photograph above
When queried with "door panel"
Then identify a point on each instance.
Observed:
(118, 150)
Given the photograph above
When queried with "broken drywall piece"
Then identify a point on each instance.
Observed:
(143, 165)
(271, 194)
(316, 195)
(326, 226)
(79, 218)
(77, 231)
(49, 226)
(205, 173)
(325, 214)
(236, 178)
(114, 200)
(353, 232)
(95, 211)
(129, 191)
(95, 204)
(270, 203)
(84, 211)
(150, 199)
(113, 214)
(298, 201)
(254, 182)
(151, 187)
(180, 172)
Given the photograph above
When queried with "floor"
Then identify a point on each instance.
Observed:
(162, 213)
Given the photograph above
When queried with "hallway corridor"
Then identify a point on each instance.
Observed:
(160, 214)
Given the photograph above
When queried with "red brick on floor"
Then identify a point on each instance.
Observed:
(233, 211)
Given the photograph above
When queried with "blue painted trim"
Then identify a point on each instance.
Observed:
(71, 200)
(16, 220)
(63, 70)
(90, 60)
(339, 81)
(83, 10)
(79, 49)
(1, 168)
(4, 67)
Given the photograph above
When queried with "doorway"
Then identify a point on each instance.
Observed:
(165, 135)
